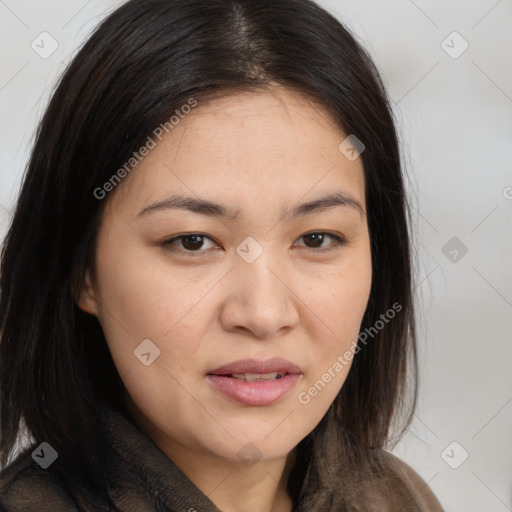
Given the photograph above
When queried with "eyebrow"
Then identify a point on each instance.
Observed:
(212, 209)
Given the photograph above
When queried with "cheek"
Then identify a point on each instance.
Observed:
(342, 296)
(339, 301)
(141, 298)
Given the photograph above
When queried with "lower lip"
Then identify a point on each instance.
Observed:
(262, 392)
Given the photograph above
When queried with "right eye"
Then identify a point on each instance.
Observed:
(189, 243)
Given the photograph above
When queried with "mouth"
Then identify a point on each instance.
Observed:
(255, 383)
(250, 367)
(253, 377)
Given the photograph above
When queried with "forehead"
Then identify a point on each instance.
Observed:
(276, 145)
(269, 120)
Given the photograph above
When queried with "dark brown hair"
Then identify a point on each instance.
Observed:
(143, 62)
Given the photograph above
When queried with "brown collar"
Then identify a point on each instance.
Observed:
(141, 477)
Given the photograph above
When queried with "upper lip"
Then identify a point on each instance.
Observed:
(276, 364)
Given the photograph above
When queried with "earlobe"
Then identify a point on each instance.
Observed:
(86, 301)
(83, 308)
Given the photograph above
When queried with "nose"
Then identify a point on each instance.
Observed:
(260, 298)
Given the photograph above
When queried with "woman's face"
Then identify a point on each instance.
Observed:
(257, 282)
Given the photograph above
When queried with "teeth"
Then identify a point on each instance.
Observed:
(251, 377)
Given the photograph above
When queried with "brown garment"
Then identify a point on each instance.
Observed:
(141, 479)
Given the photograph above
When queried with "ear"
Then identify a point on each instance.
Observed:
(86, 300)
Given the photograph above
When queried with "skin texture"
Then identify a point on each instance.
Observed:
(260, 153)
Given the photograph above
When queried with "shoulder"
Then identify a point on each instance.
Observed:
(26, 487)
(421, 495)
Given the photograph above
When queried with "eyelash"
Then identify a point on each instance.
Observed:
(338, 241)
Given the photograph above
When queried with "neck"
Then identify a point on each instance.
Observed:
(231, 485)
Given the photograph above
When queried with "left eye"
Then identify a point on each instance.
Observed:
(194, 242)
(317, 239)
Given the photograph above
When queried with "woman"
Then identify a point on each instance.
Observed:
(206, 286)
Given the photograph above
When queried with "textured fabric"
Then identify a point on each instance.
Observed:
(421, 497)
(141, 479)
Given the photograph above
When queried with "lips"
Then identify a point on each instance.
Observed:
(275, 365)
(255, 383)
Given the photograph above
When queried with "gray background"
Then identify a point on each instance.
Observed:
(455, 118)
